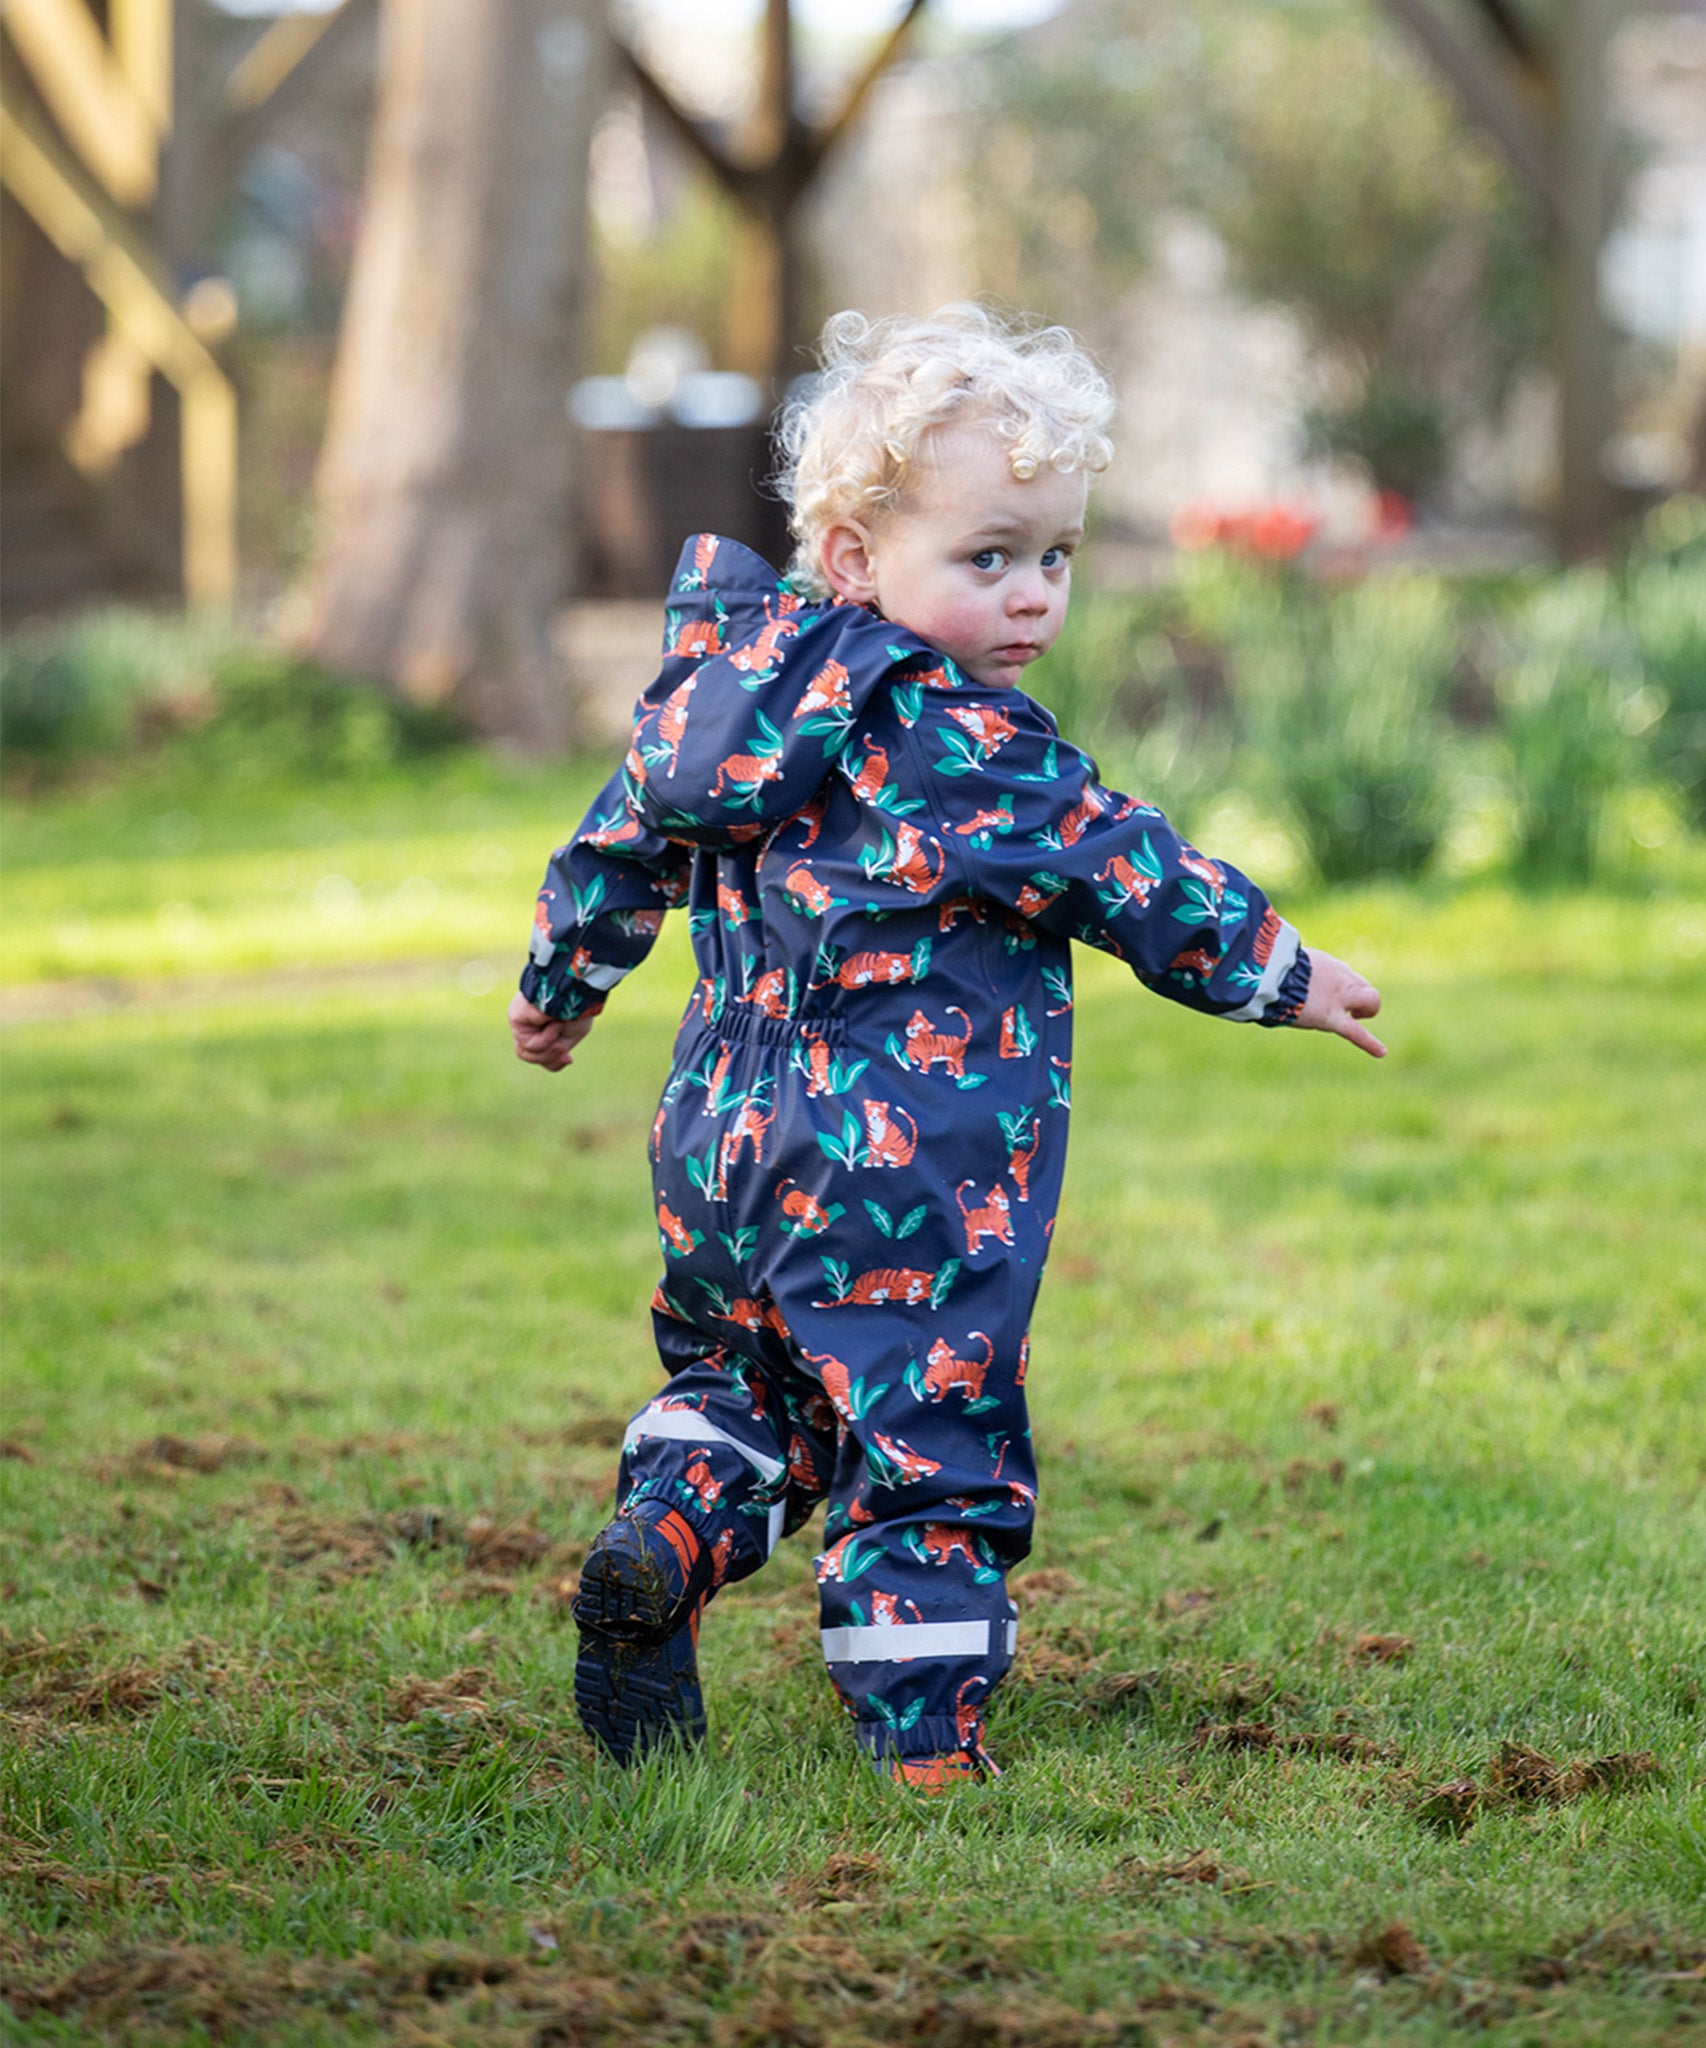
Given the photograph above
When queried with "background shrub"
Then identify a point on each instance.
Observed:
(106, 682)
(1345, 702)
(1665, 607)
(1565, 696)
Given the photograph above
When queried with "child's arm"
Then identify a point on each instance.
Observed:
(600, 908)
(1041, 835)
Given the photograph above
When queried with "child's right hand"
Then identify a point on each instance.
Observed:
(1338, 996)
(544, 1041)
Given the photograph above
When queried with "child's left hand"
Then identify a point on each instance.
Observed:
(544, 1041)
(1338, 997)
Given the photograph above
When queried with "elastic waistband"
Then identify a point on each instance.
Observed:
(745, 1024)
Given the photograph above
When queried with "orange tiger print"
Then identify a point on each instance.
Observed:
(769, 993)
(869, 781)
(945, 1374)
(884, 1284)
(886, 1144)
(992, 1219)
(944, 1541)
(925, 1045)
(747, 1127)
(1019, 1163)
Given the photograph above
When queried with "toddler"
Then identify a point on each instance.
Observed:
(885, 848)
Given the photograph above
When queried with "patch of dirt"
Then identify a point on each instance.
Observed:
(1527, 1776)
(845, 1879)
(204, 1454)
(1324, 1415)
(1187, 1600)
(336, 1548)
(495, 1546)
(1304, 1473)
(458, 1692)
(1523, 1776)
(1041, 1588)
(1614, 1951)
(19, 1453)
(1451, 1807)
(473, 1587)
(1196, 1866)
(1377, 1649)
(585, 1432)
(63, 1681)
(715, 1946)
(1263, 1735)
(1392, 1951)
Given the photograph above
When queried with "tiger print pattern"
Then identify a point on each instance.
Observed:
(858, 1156)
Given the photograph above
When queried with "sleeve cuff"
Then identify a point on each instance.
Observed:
(1293, 991)
(561, 995)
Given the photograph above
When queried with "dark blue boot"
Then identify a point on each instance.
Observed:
(642, 1590)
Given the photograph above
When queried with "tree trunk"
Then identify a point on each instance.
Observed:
(443, 491)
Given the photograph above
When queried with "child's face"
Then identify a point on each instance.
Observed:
(973, 560)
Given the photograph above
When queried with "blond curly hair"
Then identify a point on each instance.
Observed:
(851, 443)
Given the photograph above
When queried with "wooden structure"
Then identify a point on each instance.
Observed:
(93, 152)
(1545, 107)
(85, 117)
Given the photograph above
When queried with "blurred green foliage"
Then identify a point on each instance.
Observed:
(1361, 714)
(1370, 719)
(1567, 689)
(1337, 173)
(1666, 612)
(1346, 710)
(122, 680)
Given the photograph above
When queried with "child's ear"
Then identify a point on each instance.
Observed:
(845, 552)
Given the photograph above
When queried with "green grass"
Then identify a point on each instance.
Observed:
(1327, 1350)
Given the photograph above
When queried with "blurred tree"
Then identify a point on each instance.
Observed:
(1334, 168)
(442, 541)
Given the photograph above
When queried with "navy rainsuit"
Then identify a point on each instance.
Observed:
(859, 1149)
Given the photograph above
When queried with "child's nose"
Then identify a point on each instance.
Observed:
(1029, 594)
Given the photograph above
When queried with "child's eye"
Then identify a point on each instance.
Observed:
(1056, 558)
(988, 558)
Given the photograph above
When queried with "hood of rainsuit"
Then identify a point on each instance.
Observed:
(757, 695)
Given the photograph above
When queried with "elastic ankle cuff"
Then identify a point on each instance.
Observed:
(935, 1735)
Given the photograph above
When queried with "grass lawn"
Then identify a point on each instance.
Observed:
(1362, 1685)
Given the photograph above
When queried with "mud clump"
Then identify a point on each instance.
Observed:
(497, 1547)
(44, 1681)
(1451, 1807)
(1525, 1776)
(1520, 1776)
(1263, 1735)
(203, 1454)
(1381, 1649)
(844, 1880)
(1041, 1588)
(457, 1693)
(1392, 1951)
(1196, 1866)
(1303, 1474)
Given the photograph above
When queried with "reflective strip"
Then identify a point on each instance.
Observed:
(686, 1427)
(603, 977)
(896, 1641)
(1278, 967)
(773, 1533)
(1012, 1637)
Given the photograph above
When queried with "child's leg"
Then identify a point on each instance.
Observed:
(739, 1445)
(714, 1470)
(932, 1502)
